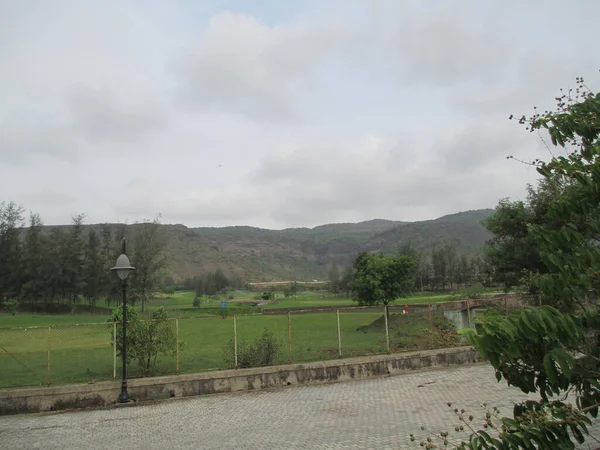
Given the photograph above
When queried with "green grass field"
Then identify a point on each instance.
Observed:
(83, 353)
(180, 305)
(36, 348)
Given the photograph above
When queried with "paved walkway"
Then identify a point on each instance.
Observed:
(363, 414)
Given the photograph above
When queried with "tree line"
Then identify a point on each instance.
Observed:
(440, 269)
(61, 267)
(212, 283)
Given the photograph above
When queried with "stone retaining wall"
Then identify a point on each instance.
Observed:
(146, 389)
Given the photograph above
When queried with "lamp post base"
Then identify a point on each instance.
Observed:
(123, 397)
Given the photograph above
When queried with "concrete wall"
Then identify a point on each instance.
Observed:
(146, 389)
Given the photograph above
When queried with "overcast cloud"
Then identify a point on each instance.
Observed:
(278, 114)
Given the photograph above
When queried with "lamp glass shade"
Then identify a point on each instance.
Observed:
(123, 267)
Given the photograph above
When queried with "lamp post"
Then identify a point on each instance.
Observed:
(122, 269)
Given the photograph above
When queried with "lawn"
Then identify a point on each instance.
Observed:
(83, 353)
(42, 348)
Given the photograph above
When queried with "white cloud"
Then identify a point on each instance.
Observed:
(294, 116)
(242, 66)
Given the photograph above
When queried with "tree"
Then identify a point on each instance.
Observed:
(221, 280)
(57, 283)
(554, 353)
(439, 266)
(291, 289)
(198, 286)
(148, 259)
(513, 249)
(72, 261)
(347, 276)
(146, 340)
(11, 220)
(210, 285)
(464, 275)
(533, 350)
(93, 269)
(408, 249)
(334, 279)
(35, 270)
(380, 279)
(108, 256)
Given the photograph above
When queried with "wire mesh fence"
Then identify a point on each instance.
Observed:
(39, 356)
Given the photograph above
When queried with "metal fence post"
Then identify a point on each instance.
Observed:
(235, 359)
(339, 333)
(289, 330)
(48, 358)
(429, 313)
(177, 346)
(431, 330)
(387, 331)
(468, 313)
(114, 350)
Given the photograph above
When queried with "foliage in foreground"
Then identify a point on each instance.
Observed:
(554, 354)
(545, 351)
(146, 339)
(539, 351)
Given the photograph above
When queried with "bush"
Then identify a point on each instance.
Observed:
(146, 340)
(268, 296)
(262, 352)
(196, 302)
(12, 306)
(223, 312)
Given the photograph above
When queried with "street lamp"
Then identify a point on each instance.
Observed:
(122, 269)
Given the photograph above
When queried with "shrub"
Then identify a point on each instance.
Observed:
(146, 340)
(223, 312)
(262, 352)
(196, 302)
(267, 296)
(12, 306)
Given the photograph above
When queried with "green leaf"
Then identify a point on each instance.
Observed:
(526, 321)
(577, 433)
(510, 423)
(550, 369)
(564, 360)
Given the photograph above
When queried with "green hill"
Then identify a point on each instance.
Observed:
(257, 254)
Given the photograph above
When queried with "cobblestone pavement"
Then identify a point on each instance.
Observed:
(363, 414)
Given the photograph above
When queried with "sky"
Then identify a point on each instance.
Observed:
(279, 114)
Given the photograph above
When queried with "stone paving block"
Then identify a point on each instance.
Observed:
(362, 414)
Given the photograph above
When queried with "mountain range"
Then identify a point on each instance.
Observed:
(256, 254)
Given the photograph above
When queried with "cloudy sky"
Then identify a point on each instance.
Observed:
(278, 114)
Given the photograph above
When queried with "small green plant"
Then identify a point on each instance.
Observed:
(12, 306)
(529, 429)
(146, 339)
(223, 313)
(196, 302)
(268, 296)
(262, 352)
